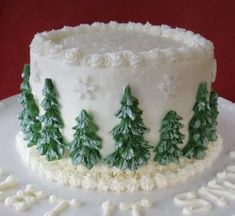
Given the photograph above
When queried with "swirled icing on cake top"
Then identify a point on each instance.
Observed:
(120, 44)
(109, 41)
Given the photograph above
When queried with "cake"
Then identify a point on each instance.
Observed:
(120, 107)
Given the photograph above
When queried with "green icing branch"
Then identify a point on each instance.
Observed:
(29, 115)
(51, 142)
(202, 126)
(132, 150)
(213, 102)
(170, 136)
(84, 149)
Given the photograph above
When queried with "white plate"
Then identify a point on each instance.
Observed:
(163, 203)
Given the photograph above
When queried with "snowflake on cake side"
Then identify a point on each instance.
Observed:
(84, 87)
(169, 86)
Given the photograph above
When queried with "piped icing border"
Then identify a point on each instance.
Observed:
(103, 178)
(43, 44)
(219, 191)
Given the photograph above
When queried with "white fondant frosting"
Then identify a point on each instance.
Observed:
(163, 66)
(232, 155)
(36, 77)
(104, 178)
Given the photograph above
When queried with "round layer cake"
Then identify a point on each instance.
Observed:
(121, 91)
(91, 64)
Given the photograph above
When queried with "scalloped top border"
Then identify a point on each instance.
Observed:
(43, 44)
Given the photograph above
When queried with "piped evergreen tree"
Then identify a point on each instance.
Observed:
(167, 150)
(51, 143)
(25, 86)
(199, 125)
(25, 90)
(131, 149)
(213, 103)
(84, 149)
(29, 115)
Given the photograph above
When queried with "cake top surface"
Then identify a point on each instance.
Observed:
(110, 41)
(118, 45)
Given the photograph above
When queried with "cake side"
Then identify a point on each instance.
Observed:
(161, 78)
(112, 110)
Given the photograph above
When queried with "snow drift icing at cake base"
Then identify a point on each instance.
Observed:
(103, 178)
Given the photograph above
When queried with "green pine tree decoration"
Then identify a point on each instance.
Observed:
(167, 150)
(213, 103)
(29, 115)
(199, 125)
(84, 149)
(25, 90)
(25, 86)
(131, 149)
(51, 142)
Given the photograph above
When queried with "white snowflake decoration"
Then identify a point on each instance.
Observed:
(84, 88)
(169, 85)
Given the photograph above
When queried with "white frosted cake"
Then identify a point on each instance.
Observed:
(133, 87)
